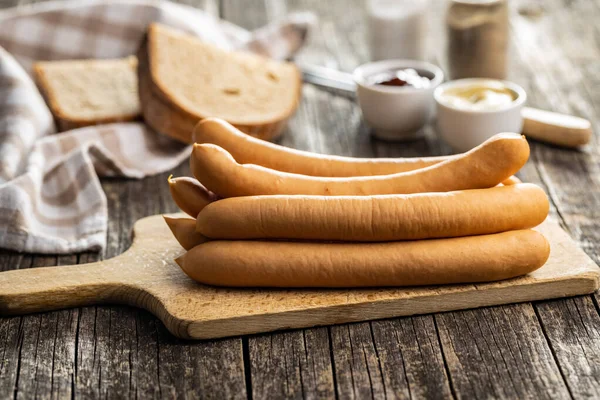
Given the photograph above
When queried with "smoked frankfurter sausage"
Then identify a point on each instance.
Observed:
(189, 195)
(312, 264)
(246, 149)
(376, 218)
(184, 230)
(484, 166)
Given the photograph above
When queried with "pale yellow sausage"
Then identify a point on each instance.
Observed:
(376, 218)
(189, 195)
(315, 264)
(484, 166)
(246, 149)
(184, 230)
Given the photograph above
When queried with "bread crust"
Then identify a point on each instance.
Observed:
(158, 113)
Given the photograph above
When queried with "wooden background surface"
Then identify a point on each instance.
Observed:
(547, 349)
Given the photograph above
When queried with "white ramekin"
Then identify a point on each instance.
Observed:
(464, 129)
(396, 113)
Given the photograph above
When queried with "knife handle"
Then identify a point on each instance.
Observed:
(559, 129)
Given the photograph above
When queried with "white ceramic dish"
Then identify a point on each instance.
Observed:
(396, 113)
(464, 129)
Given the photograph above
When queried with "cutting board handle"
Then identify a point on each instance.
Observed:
(52, 288)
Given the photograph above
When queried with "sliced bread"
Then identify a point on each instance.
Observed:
(183, 80)
(89, 92)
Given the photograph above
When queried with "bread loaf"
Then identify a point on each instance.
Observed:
(183, 80)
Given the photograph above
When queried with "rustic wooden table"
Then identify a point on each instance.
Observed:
(534, 350)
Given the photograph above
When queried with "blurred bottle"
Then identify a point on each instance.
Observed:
(398, 29)
(477, 38)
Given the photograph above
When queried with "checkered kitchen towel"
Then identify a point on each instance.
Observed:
(51, 200)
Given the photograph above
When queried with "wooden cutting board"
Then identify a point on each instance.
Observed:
(146, 276)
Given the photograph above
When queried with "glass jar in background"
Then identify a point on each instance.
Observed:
(477, 38)
(397, 29)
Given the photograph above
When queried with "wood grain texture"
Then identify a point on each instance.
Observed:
(358, 371)
(559, 67)
(506, 344)
(293, 364)
(554, 56)
(573, 328)
(410, 357)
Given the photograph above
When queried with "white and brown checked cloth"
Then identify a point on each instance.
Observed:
(51, 200)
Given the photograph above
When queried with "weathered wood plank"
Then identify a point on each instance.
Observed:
(555, 80)
(106, 335)
(39, 362)
(293, 364)
(357, 367)
(54, 348)
(561, 65)
(11, 336)
(554, 316)
(11, 333)
(209, 369)
(499, 352)
(573, 328)
(411, 359)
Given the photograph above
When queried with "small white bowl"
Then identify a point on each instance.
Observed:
(464, 129)
(396, 112)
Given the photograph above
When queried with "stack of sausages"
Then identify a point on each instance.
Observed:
(264, 215)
